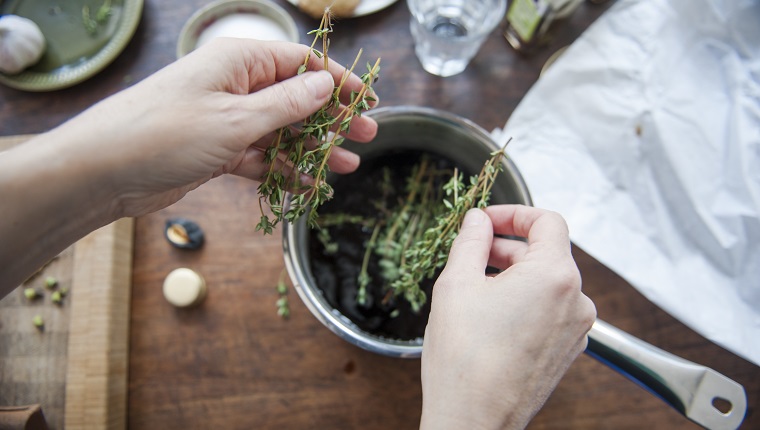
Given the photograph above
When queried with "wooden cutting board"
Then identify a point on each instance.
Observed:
(76, 366)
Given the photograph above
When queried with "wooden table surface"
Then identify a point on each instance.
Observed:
(233, 363)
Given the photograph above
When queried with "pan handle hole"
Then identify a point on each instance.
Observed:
(722, 405)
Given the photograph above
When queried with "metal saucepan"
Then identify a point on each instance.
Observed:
(690, 388)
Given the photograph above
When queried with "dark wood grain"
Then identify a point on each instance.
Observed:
(33, 362)
(234, 358)
(232, 363)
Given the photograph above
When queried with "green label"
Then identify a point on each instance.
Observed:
(524, 17)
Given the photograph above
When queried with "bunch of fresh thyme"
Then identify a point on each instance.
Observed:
(411, 240)
(397, 228)
(430, 253)
(321, 132)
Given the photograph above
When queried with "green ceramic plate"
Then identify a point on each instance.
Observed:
(74, 52)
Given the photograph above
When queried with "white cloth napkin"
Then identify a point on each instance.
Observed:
(645, 135)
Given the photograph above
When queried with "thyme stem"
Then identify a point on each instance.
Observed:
(316, 128)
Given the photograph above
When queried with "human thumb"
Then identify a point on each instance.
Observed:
(472, 246)
(289, 101)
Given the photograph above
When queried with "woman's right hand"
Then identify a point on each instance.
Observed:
(496, 347)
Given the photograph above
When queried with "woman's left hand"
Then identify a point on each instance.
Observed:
(211, 112)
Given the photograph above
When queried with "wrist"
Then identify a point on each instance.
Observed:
(471, 416)
(51, 199)
(467, 413)
(80, 183)
(488, 399)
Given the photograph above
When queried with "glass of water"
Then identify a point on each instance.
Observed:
(448, 33)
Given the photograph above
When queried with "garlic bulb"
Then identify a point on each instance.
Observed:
(21, 43)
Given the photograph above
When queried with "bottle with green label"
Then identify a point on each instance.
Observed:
(529, 20)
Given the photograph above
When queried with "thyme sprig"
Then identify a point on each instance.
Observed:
(430, 253)
(283, 305)
(322, 132)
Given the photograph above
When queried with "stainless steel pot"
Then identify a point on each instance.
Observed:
(690, 388)
(400, 128)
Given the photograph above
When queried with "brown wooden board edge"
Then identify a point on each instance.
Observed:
(98, 354)
(98, 346)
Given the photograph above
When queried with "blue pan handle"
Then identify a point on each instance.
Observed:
(690, 388)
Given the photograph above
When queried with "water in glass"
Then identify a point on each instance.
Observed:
(447, 35)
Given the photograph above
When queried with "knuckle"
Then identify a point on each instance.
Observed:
(287, 102)
(467, 239)
(466, 244)
(557, 219)
(554, 215)
(567, 278)
(587, 311)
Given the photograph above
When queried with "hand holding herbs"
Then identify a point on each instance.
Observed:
(217, 110)
(307, 150)
(517, 331)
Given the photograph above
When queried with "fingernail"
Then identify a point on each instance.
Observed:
(306, 179)
(374, 95)
(319, 83)
(473, 217)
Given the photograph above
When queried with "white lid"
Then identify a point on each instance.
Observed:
(184, 287)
